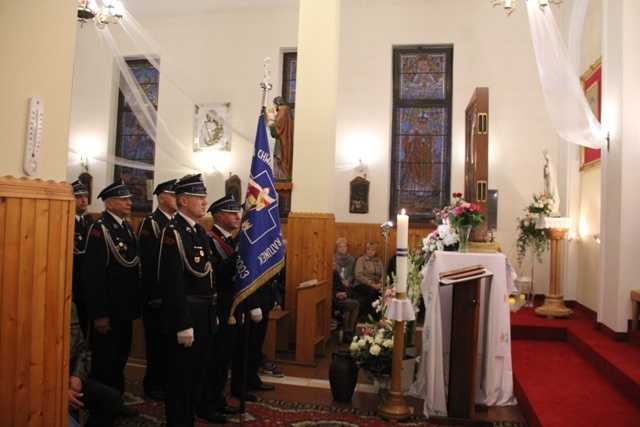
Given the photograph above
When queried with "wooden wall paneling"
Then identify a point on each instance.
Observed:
(26, 317)
(9, 311)
(36, 218)
(60, 242)
(38, 282)
(309, 256)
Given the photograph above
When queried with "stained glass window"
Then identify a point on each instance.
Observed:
(421, 145)
(289, 78)
(133, 142)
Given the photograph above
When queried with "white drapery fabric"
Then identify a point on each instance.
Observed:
(566, 104)
(180, 152)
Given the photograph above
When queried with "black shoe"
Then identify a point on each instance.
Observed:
(264, 387)
(228, 409)
(127, 412)
(156, 395)
(213, 418)
(247, 397)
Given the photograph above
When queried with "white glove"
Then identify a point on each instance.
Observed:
(185, 337)
(256, 315)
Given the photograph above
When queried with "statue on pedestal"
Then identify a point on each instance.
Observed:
(551, 185)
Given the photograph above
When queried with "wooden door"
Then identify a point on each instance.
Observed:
(476, 168)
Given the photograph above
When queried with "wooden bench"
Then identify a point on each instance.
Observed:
(277, 338)
(635, 310)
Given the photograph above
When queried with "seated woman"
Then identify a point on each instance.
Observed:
(344, 263)
(369, 279)
(348, 307)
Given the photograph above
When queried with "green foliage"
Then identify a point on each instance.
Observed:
(528, 234)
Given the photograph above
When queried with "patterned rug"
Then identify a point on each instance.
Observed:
(272, 413)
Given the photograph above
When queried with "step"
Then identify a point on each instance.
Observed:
(556, 386)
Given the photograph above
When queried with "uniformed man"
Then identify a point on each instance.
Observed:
(112, 281)
(226, 217)
(185, 274)
(154, 383)
(81, 230)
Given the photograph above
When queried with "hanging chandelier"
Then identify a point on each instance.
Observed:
(509, 6)
(109, 13)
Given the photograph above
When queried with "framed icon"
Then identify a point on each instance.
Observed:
(359, 196)
(210, 131)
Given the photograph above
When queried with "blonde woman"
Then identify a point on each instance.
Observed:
(369, 277)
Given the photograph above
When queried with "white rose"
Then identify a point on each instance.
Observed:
(355, 345)
(388, 343)
(375, 350)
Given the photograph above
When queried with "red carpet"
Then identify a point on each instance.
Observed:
(567, 373)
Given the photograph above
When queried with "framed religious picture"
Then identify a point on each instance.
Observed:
(359, 196)
(591, 84)
(210, 131)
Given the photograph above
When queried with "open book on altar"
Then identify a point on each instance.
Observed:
(472, 272)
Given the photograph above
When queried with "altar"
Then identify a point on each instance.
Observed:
(495, 377)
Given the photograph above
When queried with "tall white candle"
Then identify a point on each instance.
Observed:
(402, 251)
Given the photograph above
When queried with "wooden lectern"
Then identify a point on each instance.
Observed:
(465, 313)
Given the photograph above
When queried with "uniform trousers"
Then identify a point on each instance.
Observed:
(253, 348)
(224, 342)
(109, 353)
(155, 377)
(188, 371)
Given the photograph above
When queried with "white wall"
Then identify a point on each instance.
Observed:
(36, 57)
(224, 50)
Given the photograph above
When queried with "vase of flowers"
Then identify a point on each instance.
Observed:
(372, 350)
(530, 237)
(463, 235)
(462, 216)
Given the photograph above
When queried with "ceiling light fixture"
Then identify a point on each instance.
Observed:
(509, 6)
(109, 13)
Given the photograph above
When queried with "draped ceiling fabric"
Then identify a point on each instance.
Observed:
(568, 109)
(151, 121)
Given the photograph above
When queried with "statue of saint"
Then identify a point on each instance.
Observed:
(550, 184)
(282, 130)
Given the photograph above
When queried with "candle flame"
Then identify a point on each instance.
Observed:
(402, 212)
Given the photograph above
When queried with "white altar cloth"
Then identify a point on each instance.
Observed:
(495, 375)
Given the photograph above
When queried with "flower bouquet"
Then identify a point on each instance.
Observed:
(462, 213)
(528, 234)
(462, 216)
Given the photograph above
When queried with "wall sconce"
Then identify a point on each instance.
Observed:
(84, 163)
(597, 238)
(362, 167)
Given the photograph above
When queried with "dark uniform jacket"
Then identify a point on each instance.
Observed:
(185, 275)
(112, 271)
(225, 255)
(149, 235)
(80, 232)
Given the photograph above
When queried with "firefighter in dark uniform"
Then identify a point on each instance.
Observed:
(112, 281)
(226, 216)
(154, 383)
(185, 274)
(81, 230)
